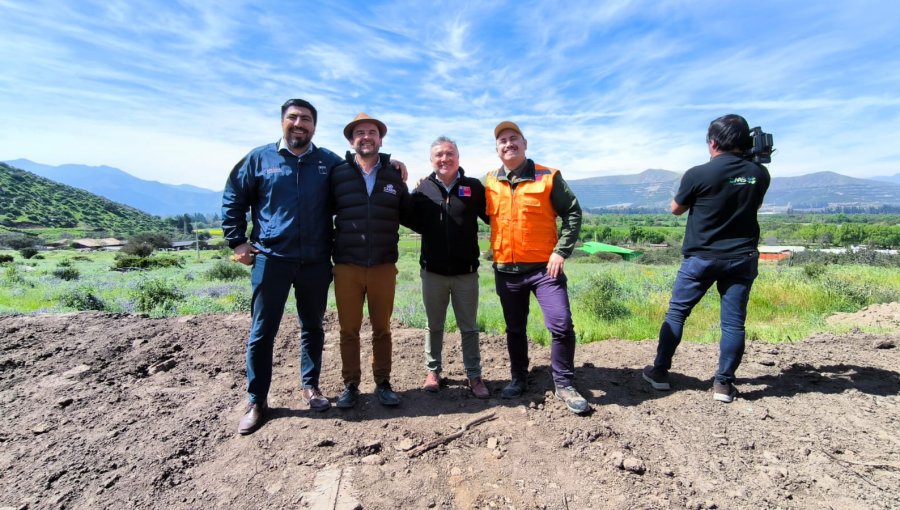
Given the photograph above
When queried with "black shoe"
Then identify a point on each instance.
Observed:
(657, 377)
(348, 397)
(515, 388)
(724, 392)
(386, 395)
(574, 401)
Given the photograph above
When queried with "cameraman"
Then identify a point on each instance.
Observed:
(720, 246)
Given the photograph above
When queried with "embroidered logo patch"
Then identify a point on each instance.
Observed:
(322, 169)
(465, 191)
(276, 171)
(390, 189)
(741, 181)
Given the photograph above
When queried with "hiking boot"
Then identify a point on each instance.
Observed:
(479, 389)
(574, 401)
(724, 392)
(314, 399)
(657, 377)
(253, 418)
(432, 382)
(386, 395)
(348, 397)
(515, 388)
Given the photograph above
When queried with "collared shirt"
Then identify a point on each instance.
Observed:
(452, 183)
(283, 147)
(369, 177)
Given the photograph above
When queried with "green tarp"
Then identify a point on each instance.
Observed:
(593, 247)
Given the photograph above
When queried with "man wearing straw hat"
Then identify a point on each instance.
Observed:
(370, 201)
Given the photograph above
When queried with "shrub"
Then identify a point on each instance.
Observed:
(28, 252)
(66, 273)
(17, 242)
(82, 297)
(138, 249)
(12, 275)
(125, 262)
(4, 259)
(814, 271)
(665, 257)
(603, 297)
(156, 294)
(224, 270)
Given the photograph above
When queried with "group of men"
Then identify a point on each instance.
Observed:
(309, 208)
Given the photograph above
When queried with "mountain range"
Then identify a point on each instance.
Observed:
(651, 190)
(31, 201)
(152, 197)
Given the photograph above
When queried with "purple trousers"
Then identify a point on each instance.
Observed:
(552, 295)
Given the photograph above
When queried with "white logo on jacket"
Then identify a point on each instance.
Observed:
(390, 189)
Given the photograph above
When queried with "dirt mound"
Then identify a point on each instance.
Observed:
(122, 411)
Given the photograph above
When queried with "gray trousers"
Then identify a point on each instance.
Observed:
(462, 292)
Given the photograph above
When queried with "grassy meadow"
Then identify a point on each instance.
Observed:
(624, 300)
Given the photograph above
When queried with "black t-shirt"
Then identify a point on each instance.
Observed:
(723, 196)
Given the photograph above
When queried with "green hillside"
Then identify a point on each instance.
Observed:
(30, 201)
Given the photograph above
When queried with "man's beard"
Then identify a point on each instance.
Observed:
(298, 141)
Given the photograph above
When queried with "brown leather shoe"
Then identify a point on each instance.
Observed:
(253, 418)
(314, 399)
(479, 389)
(432, 382)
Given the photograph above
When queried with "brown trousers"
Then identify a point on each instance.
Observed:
(354, 285)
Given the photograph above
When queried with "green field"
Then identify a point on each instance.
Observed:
(609, 299)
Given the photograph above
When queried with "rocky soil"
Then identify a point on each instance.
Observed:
(123, 411)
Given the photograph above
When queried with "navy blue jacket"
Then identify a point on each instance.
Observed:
(367, 227)
(288, 202)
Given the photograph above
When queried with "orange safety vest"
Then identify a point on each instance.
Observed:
(523, 222)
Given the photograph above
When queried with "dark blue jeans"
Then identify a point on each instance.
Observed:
(272, 279)
(733, 279)
(552, 295)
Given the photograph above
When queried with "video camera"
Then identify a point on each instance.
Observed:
(762, 147)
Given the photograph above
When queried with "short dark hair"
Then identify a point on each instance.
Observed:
(730, 132)
(300, 103)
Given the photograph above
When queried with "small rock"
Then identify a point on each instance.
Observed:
(325, 442)
(455, 471)
(372, 460)
(76, 371)
(41, 428)
(64, 402)
(405, 445)
(492, 443)
(767, 363)
(617, 460)
(162, 366)
(668, 472)
(273, 488)
(634, 465)
(883, 343)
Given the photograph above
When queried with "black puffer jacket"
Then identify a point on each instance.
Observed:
(448, 223)
(366, 227)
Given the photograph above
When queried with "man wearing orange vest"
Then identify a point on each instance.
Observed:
(523, 201)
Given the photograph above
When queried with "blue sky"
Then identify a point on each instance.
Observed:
(180, 91)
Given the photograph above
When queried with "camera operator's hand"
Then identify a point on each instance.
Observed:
(245, 254)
